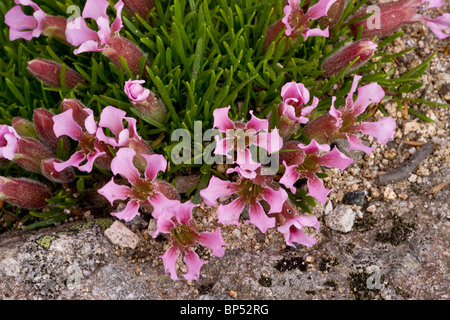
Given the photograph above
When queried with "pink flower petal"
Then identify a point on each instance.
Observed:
(155, 164)
(438, 25)
(223, 146)
(64, 124)
(295, 92)
(89, 123)
(16, 19)
(129, 212)
(335, 159)
(221, 119)
(117, 24)
(257, 124)
(193, 264)
(272, 142)
(183, 212)
(349, 98)
(259, 218)
(214, 241)
(244, 159)
(290, 177)
(275, 198)
(383, 130)
(164, 224)
(320, 9)
(245, 171)
(371, 93)
(162, 205)
(336, 114)
(88, 46)
(230, 213)
(314, 147)
(78, 33)
(123, 164)
(113, 191)
(95, 9)
(74, 161)
(90, 159)
(356, 144)
(317, 190)
(104, 31)
(169, 260)
(217, 188)
(112, 118)
(316, 32)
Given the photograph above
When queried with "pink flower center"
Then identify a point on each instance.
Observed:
(142, 189)
(183, 235)
(249, 191)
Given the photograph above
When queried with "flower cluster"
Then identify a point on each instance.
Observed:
(297, 133)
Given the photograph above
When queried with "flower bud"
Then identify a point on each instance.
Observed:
(79, 115)
(321, 129)
(121, 47)
(55, 27)
(49, 73)
(140, 7)
(337, 62)
(43, 122)
(23, 192)
(49, 171)
(390, 16)
(30, 153)
(24, 128)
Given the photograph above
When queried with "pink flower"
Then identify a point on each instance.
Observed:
(135, 91)
(295, 18)
(242, 136)
(112, 118)
(8, 142)
(90, 147)
(295, 96)
(292, 224)
(144, 191)
(28, 27)
(22, 25)
(178, 224)
(306, 161)
(393, 15)
(145, 100)
(88, 40)
(250, 189)
(342, 123)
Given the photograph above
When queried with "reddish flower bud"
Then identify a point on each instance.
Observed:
(121, 47)
(23, 192)
(337, 62)
(30, 153)
(140, 7)
(49, 73)
(272, 32)
(388, 17)
(49, 171)
(55, 27)
(321, 129)
(43, 122)
(24, 128)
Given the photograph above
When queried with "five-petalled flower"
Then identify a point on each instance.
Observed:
(177, 222)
